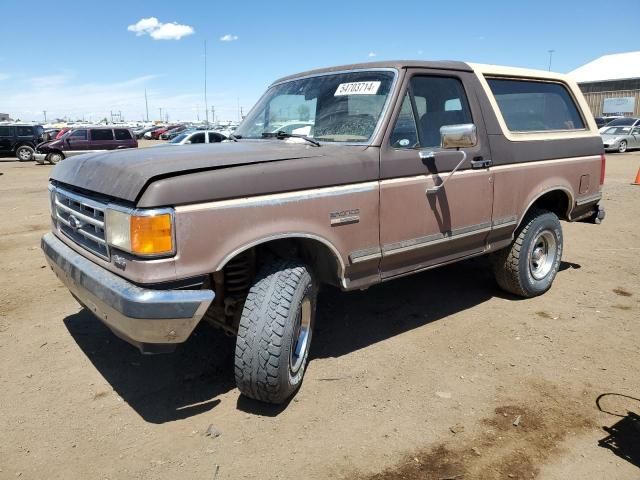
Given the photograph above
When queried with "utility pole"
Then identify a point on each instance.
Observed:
(206, 105)
(45, 116)
(550, 58)
(213, 114)
(160, 113)
(146, 103)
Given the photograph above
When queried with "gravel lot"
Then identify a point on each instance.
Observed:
(439, 375)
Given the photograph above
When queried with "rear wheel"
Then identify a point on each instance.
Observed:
(528, 267)
(622, 146)
(274, 335)
(25, 153)
(55, 157)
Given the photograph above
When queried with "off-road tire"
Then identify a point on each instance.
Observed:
(25, 153)
(263, 365)
(511, 266)
(55, 157)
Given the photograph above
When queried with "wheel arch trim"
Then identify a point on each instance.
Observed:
(564, 189)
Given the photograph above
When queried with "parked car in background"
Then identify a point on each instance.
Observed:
(600, 121)
(172, 132)
(622, 122)
(61, 132)
(141, 133)
(85, 140)
(20, 140)
(155, 134)
(620, 139)
(196, 136)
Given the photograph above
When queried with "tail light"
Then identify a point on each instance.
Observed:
(603, 165)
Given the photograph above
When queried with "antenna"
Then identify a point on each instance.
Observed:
(146, 104)
(206, 106)
(550, 57)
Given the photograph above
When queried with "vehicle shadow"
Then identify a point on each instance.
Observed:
(623, 437)
(160, 388)
(164, 388)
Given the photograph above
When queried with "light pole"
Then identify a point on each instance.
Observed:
(45, 116)
(206, 105)
(146, 104)
(550, 57)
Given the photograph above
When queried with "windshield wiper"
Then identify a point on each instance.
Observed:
(280, 135)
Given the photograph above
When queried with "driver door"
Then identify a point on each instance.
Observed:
(77, 140)
(420, 229)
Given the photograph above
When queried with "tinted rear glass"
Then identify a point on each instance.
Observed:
(529, 106)
(122, 134)
(102, 134)
(621, 121)
(6, 131)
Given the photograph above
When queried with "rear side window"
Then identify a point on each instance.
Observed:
(102, 134)
(122, 134)
(529, 106)
(24, 131)
(6, 131)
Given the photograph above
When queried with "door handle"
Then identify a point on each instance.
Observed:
(478, 163)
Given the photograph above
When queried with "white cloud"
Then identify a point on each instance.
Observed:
(372, 54)
(160, 31)
(228, 38)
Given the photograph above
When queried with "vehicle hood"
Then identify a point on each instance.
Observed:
(611, 138)
(123, 174)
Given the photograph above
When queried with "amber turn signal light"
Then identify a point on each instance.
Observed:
(151, 235)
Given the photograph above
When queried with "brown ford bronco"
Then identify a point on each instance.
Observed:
(348, 176)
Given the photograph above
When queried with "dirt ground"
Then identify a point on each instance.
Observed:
(436, 376)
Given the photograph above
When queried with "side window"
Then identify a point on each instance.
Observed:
(431, 103)
(636, 131)
(215, 137)
(197, 138)
(532, 106)
(404, 133)
(24, 131)
(79, 135)
(100, 134)
(122, 134)
(6, 131)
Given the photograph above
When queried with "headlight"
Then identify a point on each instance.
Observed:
(141, 232)
(52, 203)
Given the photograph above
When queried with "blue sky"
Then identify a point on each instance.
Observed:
(79, 59)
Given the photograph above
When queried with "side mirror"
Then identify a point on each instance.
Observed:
(458, 136)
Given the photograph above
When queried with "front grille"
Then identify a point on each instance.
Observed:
(82, 220)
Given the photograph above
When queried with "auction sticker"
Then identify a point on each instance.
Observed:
(357, 88)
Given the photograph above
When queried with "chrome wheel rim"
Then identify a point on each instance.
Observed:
(622, 147)
(300, 338)
(542, 256)
(24, 154)
(55, 158)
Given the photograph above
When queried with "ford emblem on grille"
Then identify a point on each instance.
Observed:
(75, 223)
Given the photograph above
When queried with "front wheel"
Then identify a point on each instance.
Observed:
(25, 153)
(622, 146)
(529, 265)
(274, 335)
(55, 157)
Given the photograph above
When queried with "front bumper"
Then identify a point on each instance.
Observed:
(152, 320)
(40, 157)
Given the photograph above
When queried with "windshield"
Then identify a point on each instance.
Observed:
(344, 107)
(621, 121)
(617, 131)
(179, 138)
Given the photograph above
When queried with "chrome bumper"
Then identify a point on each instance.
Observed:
(40, 157)
(152, 320)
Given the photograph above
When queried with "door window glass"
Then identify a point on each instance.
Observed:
(529, 106)
(6, 131)
(122, 134)
(197, 138)
(24, 131)
(78, 135)
(101, 134)
(215, 137)
(430, 104)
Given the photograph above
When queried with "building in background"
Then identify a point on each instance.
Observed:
(611, 84)
(4, 117)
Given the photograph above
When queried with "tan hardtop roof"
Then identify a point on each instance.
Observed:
(397, 64)
(440, 65)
